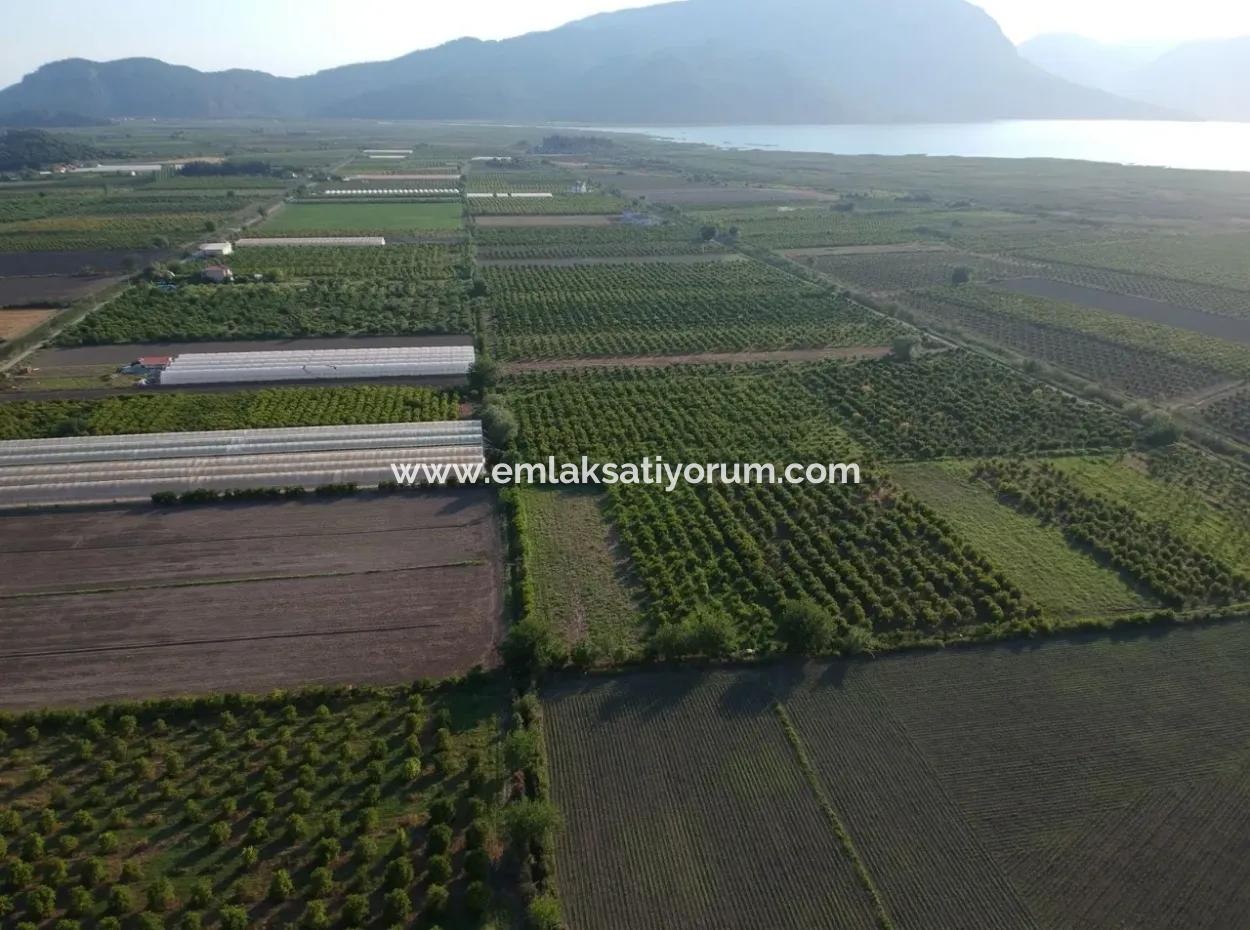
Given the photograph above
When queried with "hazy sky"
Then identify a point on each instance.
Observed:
(292, 37)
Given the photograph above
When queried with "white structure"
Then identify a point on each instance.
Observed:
(512, 194)
(390, 191)
(116, 169)
(314, 240)
(105, 469)
(215, 249)
(388, 151)
(318, 364)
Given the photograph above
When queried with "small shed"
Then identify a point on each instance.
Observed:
(216, 249)
(218, 274)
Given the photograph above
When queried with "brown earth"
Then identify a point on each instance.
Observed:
(591, 219)
(109, 604)
(51, 289)
(14, 323)
(69, 261)
(705, 358)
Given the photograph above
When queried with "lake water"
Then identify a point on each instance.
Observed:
(1200, 145)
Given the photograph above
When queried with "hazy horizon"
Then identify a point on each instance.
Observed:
(208, 38)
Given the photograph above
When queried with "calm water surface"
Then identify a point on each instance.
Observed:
(1209, 145)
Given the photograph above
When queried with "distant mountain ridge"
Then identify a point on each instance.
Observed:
(698, 61)
(1209, 78)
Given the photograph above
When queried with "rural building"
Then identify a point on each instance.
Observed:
(218, 274)
(214, 249)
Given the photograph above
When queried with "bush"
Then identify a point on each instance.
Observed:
(437, 897)
(233, 917)
(706, 632)
(804, 627)
(81, 902)
(316, 917)
(543, 913)
(120, 900)
(399, 873)
(476, 835)
(219, 834)
(249, 856)
(531, 820)
(438, 869)
(131, 871)
(477, 864)
(20, 874)
(477, 897)
(161, 895)
(356, 910)
(438, 840)
(94, 871)
(396, 905)
(149, 921)
(201, 894)
(280, 886)
(40, 902)
(191, 920)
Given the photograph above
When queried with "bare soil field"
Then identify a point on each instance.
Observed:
(125, 353)
(1091, 781)
(14, 323)
(109, 604)
(707, 358)
(1142, 308)
(73, 261)
(52, 289)
(589, 219)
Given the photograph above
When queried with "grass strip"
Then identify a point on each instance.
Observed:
(839, 828)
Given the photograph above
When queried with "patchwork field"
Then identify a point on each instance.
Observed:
(195, 600)
(1079, 783)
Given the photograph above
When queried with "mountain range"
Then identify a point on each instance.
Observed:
(1209, 79)
(697, 61)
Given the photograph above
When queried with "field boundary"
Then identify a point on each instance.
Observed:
(835, 822)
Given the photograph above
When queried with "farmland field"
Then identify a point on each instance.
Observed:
(1231, 413)
(196, 313)
(363, 806)
(196, 600)
(361, 219)
(14, 323)
(560, 204)
(1078, 783)
(501, 242)
(579, 571)
(897, 271)
(659, 309)
(1063, 580)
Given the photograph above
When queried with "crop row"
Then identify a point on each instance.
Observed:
(359, 809)
(1211, 298)
(588, 242)
(1150, 552)
(261, 311)
(1076, 343)
(267, 408)
(26, 209)
(72, 233)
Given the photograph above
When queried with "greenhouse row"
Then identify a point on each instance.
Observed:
(484, 194)
(104, 469)
(369, 192)
(311, 240)
(318, 364)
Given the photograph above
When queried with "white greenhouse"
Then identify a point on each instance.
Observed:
(318, 364)
(105, 469)
(311, 240)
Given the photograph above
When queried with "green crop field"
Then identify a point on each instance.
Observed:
(1059, 577)
(362, 219)
(981, 788)
(579, 572)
